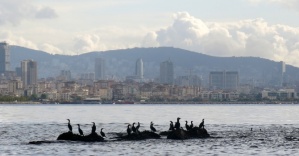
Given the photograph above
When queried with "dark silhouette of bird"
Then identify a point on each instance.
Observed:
(102, 133)
(187, 126)
(138, 126)
(177, 124)
(93, 128)
(129, 129)
(70, 126)
(191, 125)
(152, 127)
(171, 128)
(80, 130)
(133, 128)
(202, 124)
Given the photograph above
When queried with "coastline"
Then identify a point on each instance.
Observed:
(159, 103)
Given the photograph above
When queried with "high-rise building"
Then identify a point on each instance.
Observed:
(282, 75)
(100, 68)
(139, 69)
(4, 57)
(166, 72)
(29, 72)
(226, 80)
(66, 75)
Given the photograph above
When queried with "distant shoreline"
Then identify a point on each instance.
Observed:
(146, 103)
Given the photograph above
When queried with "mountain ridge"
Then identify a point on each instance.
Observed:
(121, 63)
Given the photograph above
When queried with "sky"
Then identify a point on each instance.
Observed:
(259, 28)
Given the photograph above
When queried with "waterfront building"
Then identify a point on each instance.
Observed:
(100, 68)
(4, 57)
(166, 72)
(29, 72)
(225, 80)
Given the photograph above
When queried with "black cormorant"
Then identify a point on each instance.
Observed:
(171, 128)
(177, 124)
(137, 127)
(191, 125)
(80, 130)
(202, 124)
(102, 133)
(129, 129)
(133, 128)
(187, 126)
(152, 127)
(70, 126)
(93, 128)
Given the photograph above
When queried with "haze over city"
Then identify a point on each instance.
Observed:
(218, 28)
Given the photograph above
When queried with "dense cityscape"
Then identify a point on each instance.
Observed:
(23, 84)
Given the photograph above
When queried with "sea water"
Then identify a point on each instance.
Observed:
(234, 129)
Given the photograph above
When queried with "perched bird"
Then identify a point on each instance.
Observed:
(137, 127)
(133, 128)
(152, 127)
(70, 126)
(80, 130)
(93, 128)
(171, 128)
(102, 133)
(177, 124)
(191, 125)
(129, 129)
(202, 124)
(187, 126)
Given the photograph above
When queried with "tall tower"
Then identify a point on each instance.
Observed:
(166, 72)
(139, 69)
(29, 72)
(100, 68)
(282, 75)
(4, 57)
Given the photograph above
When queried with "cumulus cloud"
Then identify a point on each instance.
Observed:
(14, 11)
(50, 48)
(87, 43)
(254, 37)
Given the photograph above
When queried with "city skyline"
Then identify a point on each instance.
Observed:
(238, 27)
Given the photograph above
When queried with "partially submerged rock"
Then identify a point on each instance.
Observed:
(198, 133)
(181, 134)
(93, 137)
(139, 136)
(178, 134)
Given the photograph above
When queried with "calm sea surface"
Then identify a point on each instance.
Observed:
(275, 129)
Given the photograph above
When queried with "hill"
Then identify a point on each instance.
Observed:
(121, 63)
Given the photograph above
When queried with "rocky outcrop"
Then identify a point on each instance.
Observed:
(139, 136)
(181, 134)
(93, 137)
(178, 134)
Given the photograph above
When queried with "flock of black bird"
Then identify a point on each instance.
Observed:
(132, 129)
(93, 129)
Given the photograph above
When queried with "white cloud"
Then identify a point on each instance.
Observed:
(87, 43)
(253, 37)
(14, 11)
(50, 48)
(16, 40)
